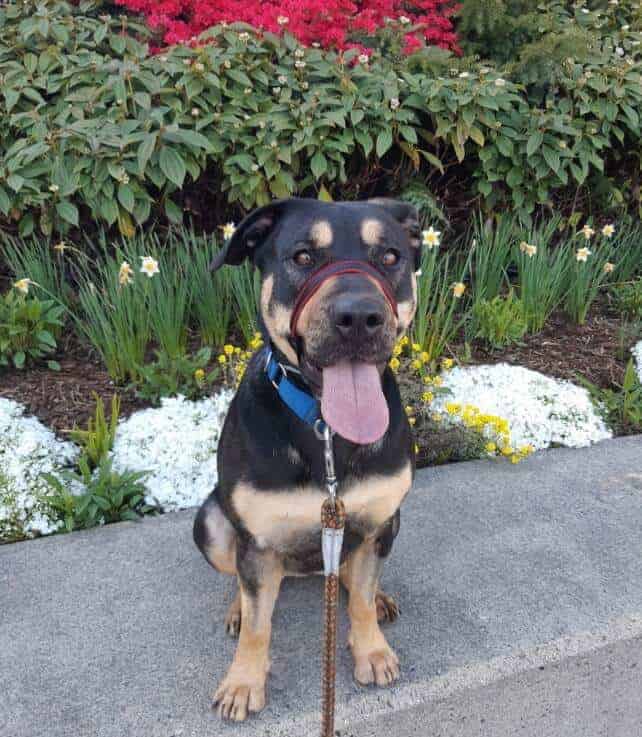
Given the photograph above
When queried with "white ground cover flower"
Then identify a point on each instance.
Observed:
(541, 411)
(177, 444)
(27, 450)
(637, 355)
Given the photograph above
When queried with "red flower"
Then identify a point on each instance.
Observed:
(331, 23)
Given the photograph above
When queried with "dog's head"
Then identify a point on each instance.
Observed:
(338, 284)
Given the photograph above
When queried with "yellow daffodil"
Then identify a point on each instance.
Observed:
(431, 237)
(125, 274)
(582, 254)
(608, 230)
(149, 266)
(458, 289)
(22, 285)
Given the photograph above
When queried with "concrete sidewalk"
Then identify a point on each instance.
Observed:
(521, 596)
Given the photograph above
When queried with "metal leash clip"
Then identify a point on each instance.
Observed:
(333, 514)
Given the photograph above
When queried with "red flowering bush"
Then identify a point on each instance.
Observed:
(330, 23)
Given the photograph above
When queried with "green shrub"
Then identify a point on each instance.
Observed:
(499, 321)
(627, 299)
(169, 376)
(94, 129)
(89, 498)
(27, 327)
(622, 406)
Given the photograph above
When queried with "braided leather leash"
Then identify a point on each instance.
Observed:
(333, 518)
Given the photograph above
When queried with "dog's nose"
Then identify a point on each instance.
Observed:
(358, 316)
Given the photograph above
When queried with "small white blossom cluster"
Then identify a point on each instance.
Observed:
(541, 411)
(177, 444)
(27, 450)
(637, 356)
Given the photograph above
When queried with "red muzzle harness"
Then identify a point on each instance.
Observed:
(339, 268)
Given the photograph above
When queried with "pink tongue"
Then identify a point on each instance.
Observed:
(353, 403)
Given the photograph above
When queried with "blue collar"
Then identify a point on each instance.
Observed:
(299, 401)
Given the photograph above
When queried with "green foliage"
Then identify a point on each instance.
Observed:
(27, 328)
(621, 407)
(169, 376)
(627, 252)
(542, 274)
(627, 299)
(98, 439)
(244, 285)
(94, 128)
(585, 276)
(491, 254)
(499, 321)
(106, 496)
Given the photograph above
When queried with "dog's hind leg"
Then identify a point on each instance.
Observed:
(215, 537)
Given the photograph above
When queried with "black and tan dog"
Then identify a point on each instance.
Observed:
(262, 521)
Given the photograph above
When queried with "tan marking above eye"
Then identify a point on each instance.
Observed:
(371, 231)
(321, 234)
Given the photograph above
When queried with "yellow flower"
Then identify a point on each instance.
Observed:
(60, 247)
(149, 266)
(528, 249)
(416, 347)
(453, 408)
(416, 449)
(409, 409)
(427, 379)
(588, 232)
(431, 237)
(514, 459)
(507, 450)
(438, 381)
(608, 230)
(526, 450)
(22, 285)
(416, 364)
(582, 254)
(237, 351)
(405, 340)
(491, 447)
(447, 364)
(228, 349)
(125, 274)
(427, 396)
(435, 417)
(425, 356)
(228, 230)
(222, 358)
(411, 420)
(199, 375)
(608, 267)
(396, 351)
(458, 289)
(394, 363)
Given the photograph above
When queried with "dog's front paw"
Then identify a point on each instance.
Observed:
(379, 666)
(242, 691)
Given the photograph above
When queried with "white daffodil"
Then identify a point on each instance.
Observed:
(22, 285)
(431, 237)
(228, 230)
(608, 230)
(458, 289)
(125, 274)
(582, 254)
(528, 249)
(588, 232)
(149, 266)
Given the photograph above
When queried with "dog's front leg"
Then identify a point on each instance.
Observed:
(243, 688)
(374, 659)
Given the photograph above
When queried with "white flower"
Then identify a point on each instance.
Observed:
(541, 411)
(228, 230)
(588, 232)
(626, 27)
(431, 237)
(199, 66)
(608, 230)
(177, 443)
(22, 285)
(582, 254)
(528, 249)
(255, 167)
(283, 20)
(394, 103)
(282, 79)
(53, 188)
(227, 64)
(299, 64)
(27, 451)
(637, 355)
(404, 20)
(187, 62)
(458, 289)
(585, 10)
(125, 274)
(244, 36)
(195, 112)
(149, 266)
(276, 90)
(464, 75)
(499, 82)
(363, 58)
(619, 51)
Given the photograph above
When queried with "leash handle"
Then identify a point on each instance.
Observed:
(333, 517)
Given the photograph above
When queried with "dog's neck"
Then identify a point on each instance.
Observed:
(304, 373)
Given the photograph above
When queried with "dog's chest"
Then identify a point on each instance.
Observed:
(282, 519)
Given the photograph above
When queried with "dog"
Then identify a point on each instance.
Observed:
(338, 290)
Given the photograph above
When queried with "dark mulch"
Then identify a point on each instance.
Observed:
(62, 399)
(565, 350)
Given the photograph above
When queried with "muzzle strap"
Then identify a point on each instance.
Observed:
(339, 268)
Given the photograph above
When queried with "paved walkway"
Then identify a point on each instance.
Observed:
(521, 596)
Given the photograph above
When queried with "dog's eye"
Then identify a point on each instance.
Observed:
(390, 257)
(302, 258)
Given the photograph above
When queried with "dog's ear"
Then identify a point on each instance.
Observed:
(251, 233)
(408, 217)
